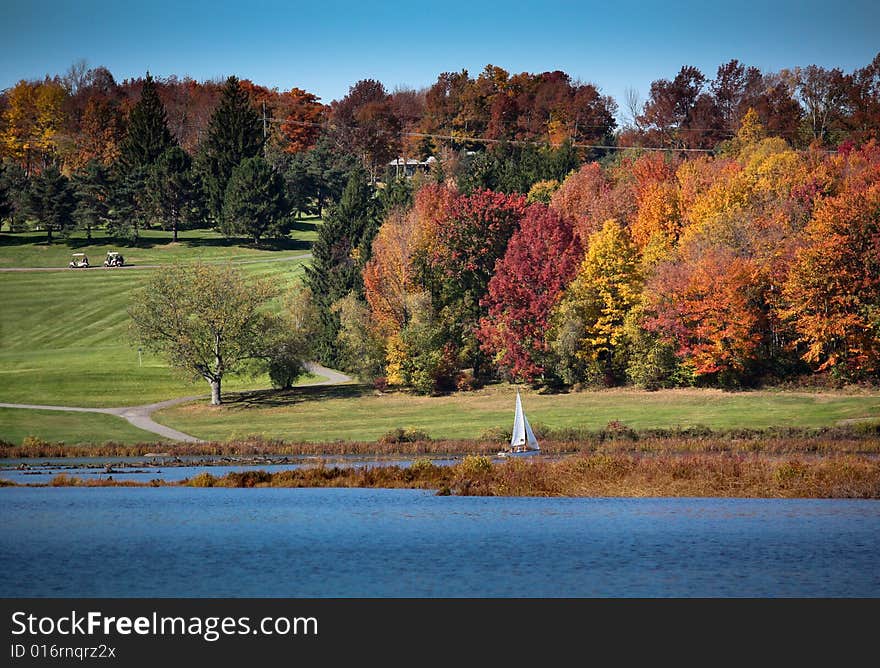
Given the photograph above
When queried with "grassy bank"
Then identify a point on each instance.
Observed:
(585, 475)
(850, 439)
(19, 425)
(355, 413)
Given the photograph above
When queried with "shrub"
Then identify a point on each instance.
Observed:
(202, 480)
(34, 442)
(475, 465)
(399, 435)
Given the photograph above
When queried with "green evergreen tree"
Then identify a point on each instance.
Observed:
(91, 186)
(173, 190)
(5, 195)
(15, 181)
(148, 135)
(235, 132)
(338, 256)
(254, 204)
(51, 201)
(128, 203)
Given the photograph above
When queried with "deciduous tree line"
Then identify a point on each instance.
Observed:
(497, 130)
(758, 264)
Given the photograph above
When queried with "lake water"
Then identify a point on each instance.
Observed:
(164, 542)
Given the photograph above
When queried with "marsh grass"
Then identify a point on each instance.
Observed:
(847, 439)
(585, 475)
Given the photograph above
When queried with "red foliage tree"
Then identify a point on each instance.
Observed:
(542, 256)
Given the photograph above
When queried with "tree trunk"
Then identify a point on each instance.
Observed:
(174, 231)
(49, 234)
(215, 392)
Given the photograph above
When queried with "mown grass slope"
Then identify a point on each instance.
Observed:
(29, 249)
(358, 414)
(64, 336)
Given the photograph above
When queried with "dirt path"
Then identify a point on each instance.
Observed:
(140, 416)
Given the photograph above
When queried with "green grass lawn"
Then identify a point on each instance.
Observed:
(63, 335)
(356, 414)
(29, 249)
(71, 428)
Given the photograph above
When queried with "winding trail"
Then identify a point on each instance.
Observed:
(140, 416)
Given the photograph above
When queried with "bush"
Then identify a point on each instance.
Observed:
(475, 465)
(34, 442)
(285, 366)
(202, 480)
(399, 435)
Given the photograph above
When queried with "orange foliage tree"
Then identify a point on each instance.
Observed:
(833, 289)
(708, 305)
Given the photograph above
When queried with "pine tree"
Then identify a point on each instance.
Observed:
(128, 199)
(172, 191)
(338, 256)
(148, 135)
(5, 196)
(14, 180)
(51, 201)
(234, 133)
(91, 186)
(254, 202)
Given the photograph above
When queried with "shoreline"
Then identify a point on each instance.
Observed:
(841, 476)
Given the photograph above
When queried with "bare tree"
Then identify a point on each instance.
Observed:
(76, 75)
(634, 105)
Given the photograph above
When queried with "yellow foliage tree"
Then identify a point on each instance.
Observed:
(607, 287)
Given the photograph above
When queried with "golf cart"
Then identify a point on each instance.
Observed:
(114, 259)
(78, 261)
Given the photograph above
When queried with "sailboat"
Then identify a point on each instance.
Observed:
(523, 441)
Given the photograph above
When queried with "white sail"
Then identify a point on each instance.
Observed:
(522, 430)
(530, 435)
(519, 430)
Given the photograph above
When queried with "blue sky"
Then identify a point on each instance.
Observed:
(326, 45)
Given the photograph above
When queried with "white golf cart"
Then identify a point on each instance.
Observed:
(114, 259)
(78, 261)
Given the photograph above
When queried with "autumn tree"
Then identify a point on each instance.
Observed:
(364, 124)
(52, 202)
(254, 204)
(541, 258)
(473, 236)
(32, 121)
(234, 133)
(206, 321)
(833, 289)
(100, 132)
(708, 305)
(588, 322)
(303, 119)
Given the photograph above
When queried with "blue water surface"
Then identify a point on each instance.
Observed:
(165, 542)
